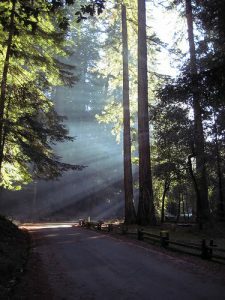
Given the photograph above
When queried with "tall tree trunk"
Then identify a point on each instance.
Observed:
(130, 215)
(4, 80)
(178, 209)
(187, 208)
(166, 188)
(146, 210)
(183, 207)
(220, 208)
(196, 189)
(201, 172)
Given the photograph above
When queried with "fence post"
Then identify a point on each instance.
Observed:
(82, 222)
(88, 225)
(140, 234)
(206, 251)
(164, 238)
(99, 226)
(110, 227)
(211, 248)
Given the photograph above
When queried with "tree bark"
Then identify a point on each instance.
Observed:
(197, 191)
(130, 215)
(166, 188)
(178, 209)
(146, 210)
(183, 207)
(201, 172)
(220, 208)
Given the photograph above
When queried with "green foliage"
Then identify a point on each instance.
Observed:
(172, 135)
(95, 7)
(31, 126)
(209, 79)
(113, 113)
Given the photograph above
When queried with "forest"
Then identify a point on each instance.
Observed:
(76, 70)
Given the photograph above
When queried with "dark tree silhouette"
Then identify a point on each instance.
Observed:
(199, 142)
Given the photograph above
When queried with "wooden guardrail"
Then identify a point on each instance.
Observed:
(205, 249)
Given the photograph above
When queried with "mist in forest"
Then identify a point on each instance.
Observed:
(96, 191)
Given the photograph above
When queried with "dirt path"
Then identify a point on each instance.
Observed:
(74, 263)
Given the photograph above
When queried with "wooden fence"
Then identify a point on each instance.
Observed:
(205, 249)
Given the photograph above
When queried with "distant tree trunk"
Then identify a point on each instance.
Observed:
(130, 215)
(166, 188)
(220, 208)
(197, 191)
(146, 210)
(178, 209)
(183, 206)
(187, 209)
(4, 80)
(201, 172)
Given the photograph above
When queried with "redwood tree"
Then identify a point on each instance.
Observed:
(146, 209)
(199, 142)
(130, 215)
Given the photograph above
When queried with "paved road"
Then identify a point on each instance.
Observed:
(83, 264)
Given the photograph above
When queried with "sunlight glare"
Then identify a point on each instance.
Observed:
(36, 226)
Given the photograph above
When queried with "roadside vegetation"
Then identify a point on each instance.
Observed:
(14, 252)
